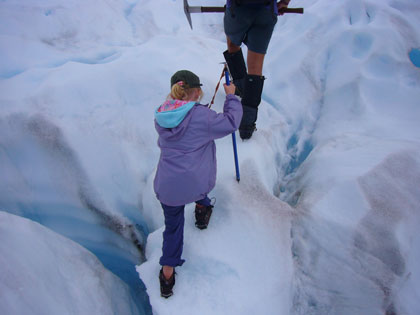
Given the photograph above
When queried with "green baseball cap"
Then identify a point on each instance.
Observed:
(187, 77)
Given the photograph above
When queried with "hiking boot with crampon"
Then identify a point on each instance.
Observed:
(250, 101)
(202, 216)
(247, 126)
(166, 285)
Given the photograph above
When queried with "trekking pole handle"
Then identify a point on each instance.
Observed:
(227, 77)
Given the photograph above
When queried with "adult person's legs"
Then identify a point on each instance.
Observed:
(254, 28)
(236, 63)
(255, 63)
(250, 84)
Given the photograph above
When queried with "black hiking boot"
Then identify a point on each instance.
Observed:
(166, 285)
(247, 126)
(250, 101)
(246, 132)
(202, 216)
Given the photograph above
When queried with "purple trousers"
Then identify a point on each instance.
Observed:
(173, 236)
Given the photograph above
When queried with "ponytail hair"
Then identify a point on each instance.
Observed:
(178, 91)
(181, 91)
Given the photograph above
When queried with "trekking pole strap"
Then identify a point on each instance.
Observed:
(217, 87)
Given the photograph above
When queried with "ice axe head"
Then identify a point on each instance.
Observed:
(187, 12)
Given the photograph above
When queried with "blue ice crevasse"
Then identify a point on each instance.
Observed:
(415, 57)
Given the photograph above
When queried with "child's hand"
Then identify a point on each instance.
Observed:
(229, 89)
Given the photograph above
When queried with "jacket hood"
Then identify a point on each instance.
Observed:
(172, 123)
(171, 113)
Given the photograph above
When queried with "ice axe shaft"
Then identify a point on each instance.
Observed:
(223, 9)
(196, 9)
(291, 10)
(205, 9)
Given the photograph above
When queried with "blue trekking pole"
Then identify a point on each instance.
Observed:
(235, 151)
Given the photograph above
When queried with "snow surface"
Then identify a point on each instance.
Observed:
(325, 218)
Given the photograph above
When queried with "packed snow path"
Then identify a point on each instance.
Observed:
(245, 249)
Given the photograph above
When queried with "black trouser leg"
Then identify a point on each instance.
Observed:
(253, 87)
(237, 69)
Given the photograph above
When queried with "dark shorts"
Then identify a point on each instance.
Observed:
(251, 26)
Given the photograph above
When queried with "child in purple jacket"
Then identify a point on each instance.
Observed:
(187, 166)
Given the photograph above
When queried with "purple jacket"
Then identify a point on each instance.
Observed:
(187, 166)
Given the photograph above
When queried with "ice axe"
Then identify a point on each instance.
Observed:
(188, 10)
(196, 9)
